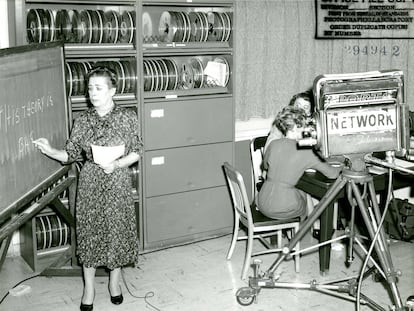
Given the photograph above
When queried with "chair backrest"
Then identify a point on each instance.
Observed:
(256, 156)
(238, 194)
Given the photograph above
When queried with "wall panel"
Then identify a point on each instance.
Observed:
(278, 55)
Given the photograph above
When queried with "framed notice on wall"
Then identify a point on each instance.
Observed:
(364, 19)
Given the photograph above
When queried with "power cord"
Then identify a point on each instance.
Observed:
(32, 277)
(147, 295)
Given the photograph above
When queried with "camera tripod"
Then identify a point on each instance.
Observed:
(353, 178)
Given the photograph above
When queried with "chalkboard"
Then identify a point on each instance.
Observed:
(32, 105)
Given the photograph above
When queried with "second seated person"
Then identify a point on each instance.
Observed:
(303, 100)
(285, 164)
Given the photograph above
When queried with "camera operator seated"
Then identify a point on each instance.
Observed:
(285, 164)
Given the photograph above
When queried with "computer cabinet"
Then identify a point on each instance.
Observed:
(175, 63)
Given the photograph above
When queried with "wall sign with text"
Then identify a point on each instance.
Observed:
(358, 19)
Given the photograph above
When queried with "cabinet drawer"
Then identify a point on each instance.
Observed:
(184, 217)
(185, 169)
(187, 122)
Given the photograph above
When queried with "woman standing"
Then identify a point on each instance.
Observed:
(106, 231)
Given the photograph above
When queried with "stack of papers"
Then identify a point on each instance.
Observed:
(104, 155)
(216, 73)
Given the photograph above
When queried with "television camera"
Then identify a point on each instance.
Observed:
(359, 113)
(356, 115)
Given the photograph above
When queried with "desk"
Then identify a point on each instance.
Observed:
(317, 184)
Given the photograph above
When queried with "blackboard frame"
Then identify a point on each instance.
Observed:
(37, 60)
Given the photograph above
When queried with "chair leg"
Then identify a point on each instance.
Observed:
(297, 248)
(235, 236)
(279, 239)
(335, 216)
(248, 255)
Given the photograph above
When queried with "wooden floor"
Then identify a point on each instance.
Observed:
(198, 277)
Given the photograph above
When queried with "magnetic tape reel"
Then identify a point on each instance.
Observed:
(77, 29)
(160, 74)
(148, 79)
(186, 76)
(68, 75)
(110, 27)
(50, 232)
(34, 26)
(132, 65)
(83, 69)
(76, 73)
(147, 28)
(40, 26)
(127, 27)
(50, 19)
(164, 70)
(216, 27)
(97, 26)
(227, 26)
(85, 25)
(187, 27)
(198, 71)
(155, 75)
(127, 76)
(41, 238)
(172, 73)
(194, 26)
(219, 81)
(80, 26)
(119, 68)
(197, 27)
(168, 26)
(63, 25)
(206, 25)
(75, 78)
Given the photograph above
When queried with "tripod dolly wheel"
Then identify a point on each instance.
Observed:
(409, 306)
(245, 296)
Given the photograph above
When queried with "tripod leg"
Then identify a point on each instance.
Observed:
(381, 246)
(325, 235)
(350, 253)
(327, 200)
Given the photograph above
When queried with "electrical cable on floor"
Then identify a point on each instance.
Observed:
(145, 297)
(4, 297)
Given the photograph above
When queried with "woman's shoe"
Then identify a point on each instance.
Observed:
(84, 307)
(117, 300)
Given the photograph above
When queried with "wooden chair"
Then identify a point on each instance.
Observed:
(255, 223)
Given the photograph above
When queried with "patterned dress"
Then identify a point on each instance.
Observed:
(106, 230)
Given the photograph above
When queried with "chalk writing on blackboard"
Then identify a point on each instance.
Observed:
(33, 105)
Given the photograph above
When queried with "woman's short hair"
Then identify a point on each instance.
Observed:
(306, 95)
(288, 117)
(103, 72)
